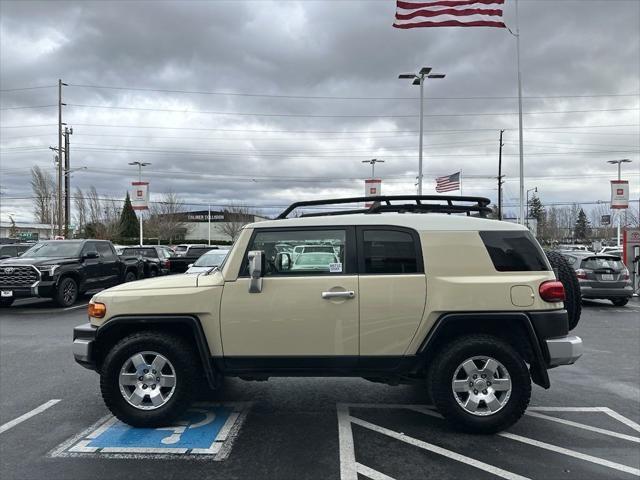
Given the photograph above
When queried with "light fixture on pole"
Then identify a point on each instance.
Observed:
(140, 165)
(373, 162)
(418, 79)
(619, 163)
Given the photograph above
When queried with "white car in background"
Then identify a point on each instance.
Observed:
(213, 258)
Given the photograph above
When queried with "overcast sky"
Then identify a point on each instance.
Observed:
(293, 95)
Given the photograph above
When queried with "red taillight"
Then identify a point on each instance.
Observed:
(581, 274)
(625, 275)
(552, 291)
(167, 264)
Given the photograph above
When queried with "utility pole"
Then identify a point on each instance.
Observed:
(60, 166)
(500, 177)
(67, 181)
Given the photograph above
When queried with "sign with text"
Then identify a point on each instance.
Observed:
(372, 188)
(140, 195)
(619, 194)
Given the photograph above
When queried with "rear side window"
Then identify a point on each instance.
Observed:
(514, 251)
(389, 251)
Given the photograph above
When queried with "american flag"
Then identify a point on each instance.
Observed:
(448, 183)
(449, 13)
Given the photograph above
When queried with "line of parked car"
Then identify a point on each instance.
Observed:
(62, 270)
(602, 275)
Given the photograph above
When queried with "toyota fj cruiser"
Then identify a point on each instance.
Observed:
(469, 307)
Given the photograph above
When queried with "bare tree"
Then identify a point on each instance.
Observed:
(166, 218)
(81, 211)
(235, 218)
(44, 193)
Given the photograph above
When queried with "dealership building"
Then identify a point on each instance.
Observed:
(196, 224)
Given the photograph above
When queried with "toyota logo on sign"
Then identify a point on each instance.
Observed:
(9, 270)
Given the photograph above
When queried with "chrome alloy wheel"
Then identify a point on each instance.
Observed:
(147, 380)
(481, 386)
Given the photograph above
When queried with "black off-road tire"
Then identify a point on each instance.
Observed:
(6, 302)
(619, 302)
(452, 356)
(567, 275)
(130, 277)
(66, 293)
(175, 349)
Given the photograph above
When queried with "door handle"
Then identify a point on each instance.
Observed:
(349, 294)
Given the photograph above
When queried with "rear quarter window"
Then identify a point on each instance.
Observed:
(514, 251)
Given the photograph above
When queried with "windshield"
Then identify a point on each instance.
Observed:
(316, 259)
(55, 249)
(181, 248)
(210, 259)
(145, 252)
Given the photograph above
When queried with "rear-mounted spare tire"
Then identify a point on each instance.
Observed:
(567, 275)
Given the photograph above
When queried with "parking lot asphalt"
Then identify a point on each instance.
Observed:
(584, 427)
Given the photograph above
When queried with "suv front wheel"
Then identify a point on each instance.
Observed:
(148, 379)
(480, 384)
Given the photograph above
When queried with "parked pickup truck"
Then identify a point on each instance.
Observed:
(63, 269)
(155, 258)
(180, 263)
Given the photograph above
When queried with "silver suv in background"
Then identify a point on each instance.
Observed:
(601, 276)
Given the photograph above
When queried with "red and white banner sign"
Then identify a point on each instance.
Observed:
(140, 195)
(619, 194)
(372, 188)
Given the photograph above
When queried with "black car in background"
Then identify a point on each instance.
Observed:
(155, 258)
(64, 269)
(180, 263)
(13, 250)
(601, 276)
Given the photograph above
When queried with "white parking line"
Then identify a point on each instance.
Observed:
(572, 453)
(585, 427)
(439, 450)
(371, 473)
(28, 415)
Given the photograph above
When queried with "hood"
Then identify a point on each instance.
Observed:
(39, 261)
(157, 283)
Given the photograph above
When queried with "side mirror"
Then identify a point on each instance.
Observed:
(283, 261)
(20, 254)
(256, 270)
(190, 265)
(91, 255)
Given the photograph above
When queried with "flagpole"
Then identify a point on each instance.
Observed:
(521, 141)
(460, 182)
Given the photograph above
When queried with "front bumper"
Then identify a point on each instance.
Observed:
(564, 350)
(84, 337)
(619, 292)
(41, 288)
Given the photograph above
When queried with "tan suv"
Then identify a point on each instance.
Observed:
(417, 290)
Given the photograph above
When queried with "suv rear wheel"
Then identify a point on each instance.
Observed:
(571, 284)
(480, 384)
(148, 379)
(619, 302)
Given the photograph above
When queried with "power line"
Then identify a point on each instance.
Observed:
(307, 115)
(6, 90)
(334, 97)
(27, 106)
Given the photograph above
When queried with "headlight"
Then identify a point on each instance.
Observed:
(48, 269)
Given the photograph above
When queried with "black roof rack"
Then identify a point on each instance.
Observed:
(420, 204)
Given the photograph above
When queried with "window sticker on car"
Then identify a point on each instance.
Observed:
(335, 268)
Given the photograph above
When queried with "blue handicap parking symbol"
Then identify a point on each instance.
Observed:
(204, 429)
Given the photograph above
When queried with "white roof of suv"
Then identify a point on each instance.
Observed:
(417, 221)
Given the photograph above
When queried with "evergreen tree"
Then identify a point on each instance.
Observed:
(582, 228)
(537, 211)
(128, 220)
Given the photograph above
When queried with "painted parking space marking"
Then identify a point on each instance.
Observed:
(28, 415)
(351, 469)
(205, 431)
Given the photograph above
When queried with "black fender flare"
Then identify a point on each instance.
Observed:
(190, 322)
(538, 368)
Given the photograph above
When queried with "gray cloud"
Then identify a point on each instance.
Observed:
(346, 49)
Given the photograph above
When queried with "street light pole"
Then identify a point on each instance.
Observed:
(140, 165)
(373, 162)
(619, 163)
(418, 79)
